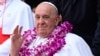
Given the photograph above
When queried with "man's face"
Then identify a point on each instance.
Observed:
(46, 20)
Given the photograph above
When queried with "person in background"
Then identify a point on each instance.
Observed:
(13, 13)
(96, 40)
(47, 38)
(82, 14)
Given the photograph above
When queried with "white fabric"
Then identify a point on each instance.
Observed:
(1, 12)
(5, 48)
(37, 41)
(17, 13)
(33, 19)
(75, 46)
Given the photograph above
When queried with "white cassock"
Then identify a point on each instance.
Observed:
(75, 46)
(16, 13)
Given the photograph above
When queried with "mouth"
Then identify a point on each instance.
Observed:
(42, 28)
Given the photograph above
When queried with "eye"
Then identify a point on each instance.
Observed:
(46, 17)
(37, 17)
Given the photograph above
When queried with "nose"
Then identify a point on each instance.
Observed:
(41, 21)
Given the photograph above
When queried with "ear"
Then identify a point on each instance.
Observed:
(58, 19)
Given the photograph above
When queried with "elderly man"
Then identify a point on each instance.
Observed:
(47, 38)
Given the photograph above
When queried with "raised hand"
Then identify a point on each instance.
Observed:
(16, 41)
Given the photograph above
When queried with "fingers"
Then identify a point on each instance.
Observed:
(17, 33)
(16, 37)
(17, 30)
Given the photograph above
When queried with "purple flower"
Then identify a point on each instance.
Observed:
(55, 41)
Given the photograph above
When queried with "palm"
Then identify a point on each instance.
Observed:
(17, 40)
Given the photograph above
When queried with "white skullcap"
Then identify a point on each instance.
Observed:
(51, 5)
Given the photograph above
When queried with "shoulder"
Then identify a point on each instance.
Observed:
(75, 46)
(23, 4)
(20, 5)
(73, 37)
(20, 8)
(75, 40)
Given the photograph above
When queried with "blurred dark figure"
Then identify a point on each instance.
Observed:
(83, 15)
(34, 3)
(96, 40)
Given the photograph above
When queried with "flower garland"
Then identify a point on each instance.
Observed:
(55, 42)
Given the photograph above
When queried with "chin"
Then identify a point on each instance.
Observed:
(42, 34)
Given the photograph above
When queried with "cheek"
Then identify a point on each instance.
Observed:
(36, 23)
(52, 23)
(51, 26)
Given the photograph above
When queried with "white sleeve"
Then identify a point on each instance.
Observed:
(20, 15)
(75, 46)
(5, 48)
(26, 19)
